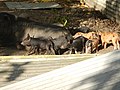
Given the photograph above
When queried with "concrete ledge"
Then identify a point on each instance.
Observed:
(43, 57)
(101, 72)
(16, 68)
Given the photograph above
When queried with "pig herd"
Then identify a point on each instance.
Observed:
(40, 38)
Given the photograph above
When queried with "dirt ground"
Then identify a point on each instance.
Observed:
(75, 15)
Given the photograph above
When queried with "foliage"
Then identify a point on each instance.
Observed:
(62, 19)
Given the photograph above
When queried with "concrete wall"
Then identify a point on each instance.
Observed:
(109, 7)
(99, 73)
(16, 68)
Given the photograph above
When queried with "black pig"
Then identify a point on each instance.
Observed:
(78, 44)
(38, 45)
(14, 29)
(7, 35)
(60, 43)
(39, 30)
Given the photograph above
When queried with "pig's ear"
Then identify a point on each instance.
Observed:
(28, 36)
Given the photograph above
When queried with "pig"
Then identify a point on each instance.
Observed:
(6, 33)
(74, 30)
(92, 44)
(78, 44)
(38, 44)
(39, 30)
(110, 37)
(87, 35)
(60, 43)
(88, 47)
(14, 29)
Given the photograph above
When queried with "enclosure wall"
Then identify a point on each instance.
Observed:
(111, 8)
